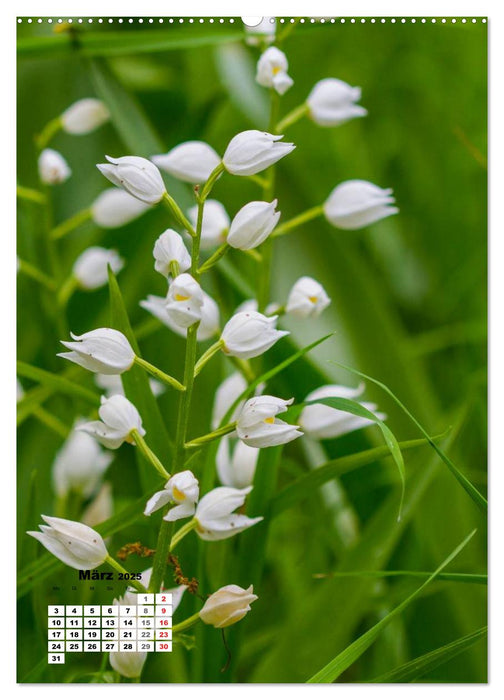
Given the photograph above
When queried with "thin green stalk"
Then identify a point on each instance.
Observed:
(149, 454)
(185, 624)
(30, 195)
(177, 213)
(66, 290)
(207, 355)
(244, 367)
(35, 274)
(174, 268)
(50, 421)
(159, 374)
(213, 259)
(214, 176)
(481, 579)
(181, 533)
(47, 133)
(115, 565)
(210, 437)
(70, 224)
(303, 218)
(291, 118)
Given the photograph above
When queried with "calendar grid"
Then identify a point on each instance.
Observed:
(142, 627)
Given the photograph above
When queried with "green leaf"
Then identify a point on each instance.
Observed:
(471, 490)
(334, 669)
(57, 382)
(480, 579)
(357, 409)
(138, 391)
(418, 667)
(303, 487)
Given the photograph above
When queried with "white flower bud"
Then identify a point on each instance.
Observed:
(84, 116)
(128, 663)
(75, 544)
(91, 267)
(357, 203)
(215, 223)
(264, 32)
(332, 102)
(272, 70)
(103, 350)
(79, 465)
(258, 426)
(118, 418)
(249, 334)
(192, 161)
(113, 208)
(169, 248)
(252, 151)
(225, 396)
(253, 224)
(182, 489)
(112, 384)
(324, 422)
(214, 515)
(53, 168)
(209, 323)
(136, 175)
(184, 300)
(238, 468)
(227, 605)
(307, 298)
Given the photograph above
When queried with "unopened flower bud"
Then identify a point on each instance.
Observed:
(103, 350)
(75, 544)
(253, 224)
(136, 175)
(113, 208)
(249, 334)
(192, 161)
(91, 267)
(119, 418)
(170, 248)
(53, 168)
(228, 605)
(357, 203)
(215, 519)
(84, 116)
(252, 151)
(332, 102)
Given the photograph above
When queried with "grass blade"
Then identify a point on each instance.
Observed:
(471, 490)
(57, 382)
(348, 656)
(481, 579)
(413, 670)
(303, 487)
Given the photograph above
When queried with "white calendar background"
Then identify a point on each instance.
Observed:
(144, 627)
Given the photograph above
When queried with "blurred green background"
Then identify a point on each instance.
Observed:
(409, 307)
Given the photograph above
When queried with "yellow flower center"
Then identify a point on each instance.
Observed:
(270, 420)
(178, 494)
(276, 70)
(313, 299)
(181, 297)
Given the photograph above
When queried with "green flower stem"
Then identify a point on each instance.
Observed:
(149, 454)
(115, 565)
(50, 421)
(213, 259)
(47, 133)
(70, 224)
(177, 213)
(66, 290)
(207, 355)
(209, 437)
(159, 374)
(174, 268)
(30, 195)
(212, 179)
(291, 118)
(35, 274)
(181, 533)
(303, 218)
(159, 563)
(185, 624)
(244, 367)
